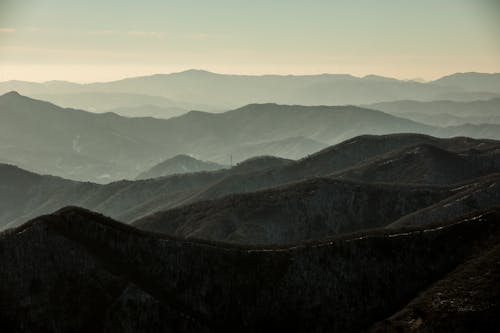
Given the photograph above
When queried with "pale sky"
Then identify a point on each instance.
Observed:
(102, 40)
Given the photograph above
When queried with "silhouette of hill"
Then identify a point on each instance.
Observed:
(259, 163)
(177, 165)
(427, 164)
(333, 160)
(26, 195)
(218, 91)
(472, 81)
(290, 148)
(148, 111)
(78, 271)
(444, 113)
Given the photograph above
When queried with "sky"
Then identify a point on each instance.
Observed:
(103, 40)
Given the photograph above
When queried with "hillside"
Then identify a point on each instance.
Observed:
(472, 81)
(130, 200)
(105, 101)
(177, 165)
(426, 164)
(26, 195)
(105, 147)
(336, 159)
(292, 148)
(465, 300)
(148, 111)
(309, 210)
(479, 194)
(444, 113)
(78, 271)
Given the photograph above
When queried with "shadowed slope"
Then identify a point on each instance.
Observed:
(426, 164)
(309, 210)
(84, 272)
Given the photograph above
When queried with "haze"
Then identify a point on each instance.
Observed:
(92, 40)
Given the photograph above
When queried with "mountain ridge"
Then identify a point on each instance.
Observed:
(128, 278)
(206, 88)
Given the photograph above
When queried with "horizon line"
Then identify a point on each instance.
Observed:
(419, 80)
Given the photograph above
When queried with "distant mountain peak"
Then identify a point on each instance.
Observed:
(194, 71)
(12, 93)
(179, 164)
(374, 77)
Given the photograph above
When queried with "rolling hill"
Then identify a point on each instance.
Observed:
(426, 164)
(79, 271)
(309, 210)
(26, 195)
(177, 165)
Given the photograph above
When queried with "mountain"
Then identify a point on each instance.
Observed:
(426, 164)
(290, 148)
(321, 207)
(177, 165)
(475, 131)
(26, 195)
(332, 161)
(148, 111)
(79, 271)
(131, 200)
(472, 81)
(75, 144)
(444, 113)
(464, 300)
(480, 194)
(259, 163)
(309, 210)
(222, 92)
(105, 147)
(105, 101)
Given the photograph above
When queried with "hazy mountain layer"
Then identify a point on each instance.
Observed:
(177, 165)
(104, 147)
(444, 113)
(196, 87)
(472, 81)
(25, 195)
(100, 102)
(148, 111)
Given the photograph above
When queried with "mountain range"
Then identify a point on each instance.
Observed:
(318, 203)
(444, 113)
(213, 91)
(80, 145)
(377, 233)
(356, 173)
